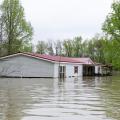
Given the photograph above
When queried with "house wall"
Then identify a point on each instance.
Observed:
(98, 69)
(69, 69)
(23, 66)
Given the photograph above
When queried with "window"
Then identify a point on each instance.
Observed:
(60, 69)
(75, 69)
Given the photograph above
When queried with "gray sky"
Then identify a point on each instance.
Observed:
(61, 19)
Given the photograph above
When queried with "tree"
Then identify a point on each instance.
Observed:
(98, 48)
(68, 47)
(1, 30)
(77, 46)
(41, 47)
(90, 49)
(17, 31)
(27, 47)
(111, 25)
(85, 48)
(50, 48)
(58, 45)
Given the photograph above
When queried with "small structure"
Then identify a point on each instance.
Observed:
(103, 70)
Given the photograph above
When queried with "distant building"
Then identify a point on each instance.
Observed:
(37, 65)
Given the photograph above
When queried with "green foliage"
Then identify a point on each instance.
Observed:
(41, 47)
(111, 27)
(68, 47)
(17, 31)
(27, 47)
(73, 48)
(77, 46)
(112, 23)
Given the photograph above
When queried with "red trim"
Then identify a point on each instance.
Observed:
(54, 58)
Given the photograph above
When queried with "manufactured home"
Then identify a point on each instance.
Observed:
(39, 65)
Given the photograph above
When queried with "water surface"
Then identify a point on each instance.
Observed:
(88, 98)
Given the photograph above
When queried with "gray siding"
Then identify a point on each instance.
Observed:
(98, 69)
(23, 66)
(69, 69)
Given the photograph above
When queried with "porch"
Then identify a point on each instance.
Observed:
(88, 70)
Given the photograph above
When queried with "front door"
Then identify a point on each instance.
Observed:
(62, 71)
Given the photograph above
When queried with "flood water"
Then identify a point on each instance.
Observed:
(86, 98)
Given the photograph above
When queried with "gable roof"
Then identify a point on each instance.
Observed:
(53, 58)
(63, 59)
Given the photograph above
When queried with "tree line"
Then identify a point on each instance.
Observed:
(16, 36)
(99, 48)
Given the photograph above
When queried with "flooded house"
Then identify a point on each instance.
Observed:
(37, 65)
(33, 65)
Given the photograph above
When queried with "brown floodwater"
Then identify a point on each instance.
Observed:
(88, 98)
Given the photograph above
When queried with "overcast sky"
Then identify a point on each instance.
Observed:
(61, 19)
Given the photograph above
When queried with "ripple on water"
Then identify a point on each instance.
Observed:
(51, 99)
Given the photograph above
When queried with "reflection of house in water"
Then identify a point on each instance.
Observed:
(20, 95)
(33, 65)
(12, 99)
